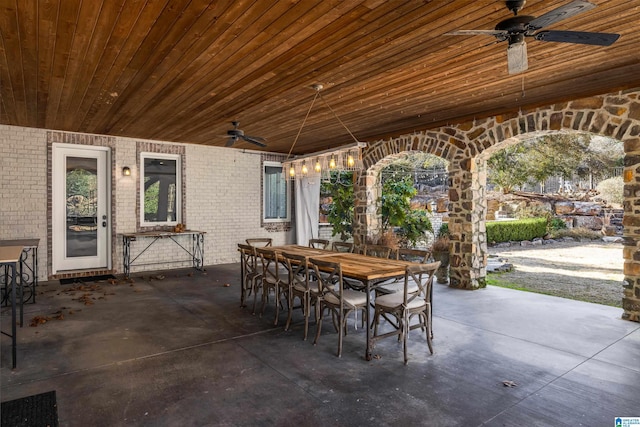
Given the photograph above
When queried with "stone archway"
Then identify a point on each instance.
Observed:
(614, 115)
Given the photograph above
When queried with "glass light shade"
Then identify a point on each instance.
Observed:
(318, 166)
(332, 162)
(304, 169)
(292, 171)
(350, 161)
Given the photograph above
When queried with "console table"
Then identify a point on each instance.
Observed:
(194, 248)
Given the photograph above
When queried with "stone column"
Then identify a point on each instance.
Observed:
(631, 221)
(466, 216)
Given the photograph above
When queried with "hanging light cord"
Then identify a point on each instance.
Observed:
(336, 116)
(303, 122)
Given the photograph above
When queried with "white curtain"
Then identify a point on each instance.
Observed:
(307, 209)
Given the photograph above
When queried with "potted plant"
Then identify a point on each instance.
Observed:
(440, 252)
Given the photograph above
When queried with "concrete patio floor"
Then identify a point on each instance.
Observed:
(179, 351)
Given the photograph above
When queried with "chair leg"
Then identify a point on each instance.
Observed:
(343, 325)
(306, 307)
(429, 331)
(255, 296)
(265, 297)
(290, 312)
(319, 327)
(278, 305)
(404, 332)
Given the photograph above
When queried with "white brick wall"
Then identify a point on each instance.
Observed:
(223, 198)
(23, 188)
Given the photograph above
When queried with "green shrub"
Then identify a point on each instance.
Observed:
(443, 231)
(522, 229)
(414, 227)
(611, 190)
(557, 224)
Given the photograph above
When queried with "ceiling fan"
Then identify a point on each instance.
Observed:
(236, 134)
(515, 29)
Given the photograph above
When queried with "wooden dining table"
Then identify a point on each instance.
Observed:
(363, 268)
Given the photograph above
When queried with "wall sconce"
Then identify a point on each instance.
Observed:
(126, 171)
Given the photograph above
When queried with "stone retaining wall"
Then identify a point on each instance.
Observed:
(467, 146)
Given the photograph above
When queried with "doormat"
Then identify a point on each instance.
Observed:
(37, 410)
(86, 279)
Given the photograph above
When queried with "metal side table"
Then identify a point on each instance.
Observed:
(27, 273)
(9, 260)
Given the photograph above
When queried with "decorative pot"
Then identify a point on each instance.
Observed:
(442, 273)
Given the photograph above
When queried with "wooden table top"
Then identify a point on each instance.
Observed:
(27, 243)
(162, 233)
(10, 254)
(355, 266)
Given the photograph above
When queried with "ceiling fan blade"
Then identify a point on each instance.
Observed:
(476, 33)
(255, 140)
(517, 61)
(560, 13)
(582, 37)
(230, 142)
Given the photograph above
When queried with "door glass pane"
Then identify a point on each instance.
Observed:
(82, 207)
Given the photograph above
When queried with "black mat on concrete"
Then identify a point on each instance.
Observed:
(86, 279)
(38, 410)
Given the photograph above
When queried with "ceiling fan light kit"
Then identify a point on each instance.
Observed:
(517, 28)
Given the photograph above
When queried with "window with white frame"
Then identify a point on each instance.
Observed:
(160, 189)
(276, 193)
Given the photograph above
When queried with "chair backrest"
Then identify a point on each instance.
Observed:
(260, 242)
(422, 275)
(414, 255)
(345, 247)
(248, 258)
(269, 259)
(329, 276)
(298, 266)
(379, 251)
(318, 243)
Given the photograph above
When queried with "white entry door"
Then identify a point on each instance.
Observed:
(80, 208)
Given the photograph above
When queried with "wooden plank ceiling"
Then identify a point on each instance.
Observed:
(182, 70)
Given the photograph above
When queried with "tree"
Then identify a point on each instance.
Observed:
(563, 155)
(340, 211)
(507, 168)
(395, 208)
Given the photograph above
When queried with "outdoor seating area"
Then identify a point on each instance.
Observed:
(319, 213)
(181, 351)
